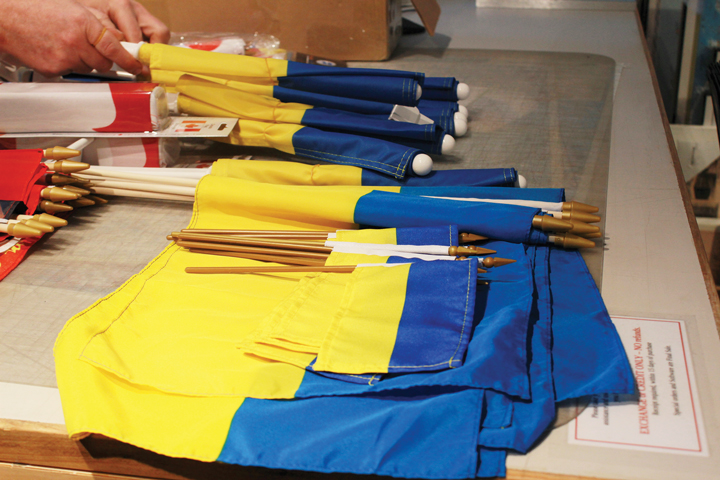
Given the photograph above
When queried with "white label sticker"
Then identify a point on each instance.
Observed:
(664, 414)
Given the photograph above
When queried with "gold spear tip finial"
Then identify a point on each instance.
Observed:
(43, 227)
(45, 218)
(549, 223)
(52, 207)
(67, 166)
(574, 206)
(60, 153)
(583, 229)
(470, 250)
(470, 237)
(21, 231)
(50, 219)
(568, 240)
(59, 179)
(57, 194)
(97, 200)
(496, 261)
(74, 189)
(81, 202)
(581, 217)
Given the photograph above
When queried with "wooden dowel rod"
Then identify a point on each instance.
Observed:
(263, 258)
(244, 249)
(257, 232)
(253, 242)
(304, 269)
(121, 192)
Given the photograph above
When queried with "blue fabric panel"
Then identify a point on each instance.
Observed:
(492, 463)
(422, 434)
(426, 138)
(437, 317)
(497, 353)
(338, 120)
(497, 221)
(296, 69)
(345, 149)
(443, 235)
(440, 105)
(440, 83)
(397, 90)
(537, 194)
(365, 107)
(581, 324)
(497, 410)
(444, 121)
(479, 177)
(440, 88)
(532, 417)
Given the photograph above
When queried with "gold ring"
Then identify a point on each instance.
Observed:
(99, 37)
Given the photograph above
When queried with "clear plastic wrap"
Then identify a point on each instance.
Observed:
(254, 45)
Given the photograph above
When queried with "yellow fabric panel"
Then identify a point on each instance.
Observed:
(161, 422)
(289, 173)
(166, 57)
(386, 236)
(264, 134)
(201, 109)
(190, 339)
(250, 87)
(327, 208)
(242, 104)
(167, 78)
(362, 336)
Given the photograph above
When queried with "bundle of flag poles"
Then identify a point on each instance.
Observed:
(35, 185)
(321, 327)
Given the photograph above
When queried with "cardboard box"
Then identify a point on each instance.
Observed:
(335, 29)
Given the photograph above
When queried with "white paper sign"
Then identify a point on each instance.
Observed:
(664, 414)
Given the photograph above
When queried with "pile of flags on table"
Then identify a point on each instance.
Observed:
(401, 367)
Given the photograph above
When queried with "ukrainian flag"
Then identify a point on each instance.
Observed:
(294, 173)
(387, 86)
(345, 149)
(249, 106)
(177, 384)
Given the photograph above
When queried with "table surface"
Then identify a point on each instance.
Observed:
(649, 266)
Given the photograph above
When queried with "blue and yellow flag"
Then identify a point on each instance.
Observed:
(293, 173)
(157, 364)
(387, 86)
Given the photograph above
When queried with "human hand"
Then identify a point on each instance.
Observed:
(132, 19)
(55, 37)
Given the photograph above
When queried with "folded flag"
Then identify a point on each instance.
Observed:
(292, 173)
(389, 86)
